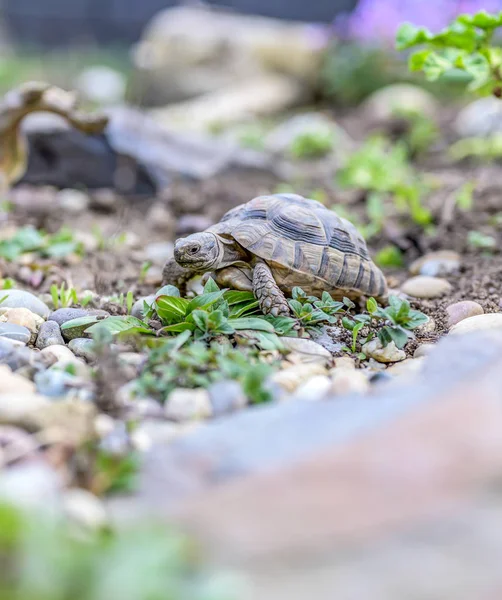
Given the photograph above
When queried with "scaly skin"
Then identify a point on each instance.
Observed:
(24, 100)
(272, 300)
(175, 274)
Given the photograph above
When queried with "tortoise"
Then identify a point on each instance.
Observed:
(274, 243)
(28, 98)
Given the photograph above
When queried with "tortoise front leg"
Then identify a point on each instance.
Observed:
(272, 300)
(175, 274)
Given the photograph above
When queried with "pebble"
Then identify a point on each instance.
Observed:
(63, 315)
(480, 118)
(159, 432)
(423, 350)
(158, 252)
(15, 445)
(88, 240)
(102, 85)
(15, 332)
(291, 378)
(314, 389)
(423, 286)
(159, 217)
(83, 348)
(22, 299)
(58, 352)
(389, 354)
(307, 350)
(410, 366)
(72, 201)
(428, 327)
(386, 102)
(17, 406)
(84, 508)
(23, 317)
(348, 381)
(226, 397)
(53, 383)
(12, 382)
(188, 224)
(491, 321)
(345, 362)
(49, 335)
(187, 404)
(137, 309)
(463, 310)
(105, 200)
(437, 264)
(32, 484)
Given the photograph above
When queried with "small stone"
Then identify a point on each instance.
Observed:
(480, 118)
(49, 335)
(423, 286)
(437, 264)
(348, 381)
(137, 309)
(23, 317)
(345, 362)
(68, 422)
(84, 508)
(410, 366)
(160, 432)
(226, 397)
(310, 351)
(428, 327)
(491, 321)
(105, 200)
(15, 332)
(291, 378)
(63, 315)
(54, 383)
(21, 299)
(387, 354)
(102, 84)
(12, 382)
(158, 252)
(186, 404)
(423, 350)
(159, 217)
(58, 352)
(463, 310)
(88, 240)
(316, 388)
(17, 406)
(32, 484)
(15, 445)
(72, 201)
(83, 348)
(389, 101)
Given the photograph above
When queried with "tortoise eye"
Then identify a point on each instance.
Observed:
(194, 249)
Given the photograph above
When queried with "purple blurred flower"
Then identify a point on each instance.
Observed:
(378, 20)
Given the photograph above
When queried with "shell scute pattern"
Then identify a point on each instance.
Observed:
(305, 244)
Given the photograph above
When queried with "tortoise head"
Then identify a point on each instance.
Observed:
(199, 252)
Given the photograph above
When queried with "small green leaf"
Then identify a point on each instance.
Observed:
(398, 336)
(168, 290)
(117, 325)
(436, 65)
(80, 322)
(171, 308)
(200, 319)
(409, 35)
(417, 60)
(211, 286)
(371, 305)
(204, 301)
(348, 323)
(252, 323)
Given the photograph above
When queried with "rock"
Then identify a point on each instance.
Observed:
(68, 422)
(59, 353)
(49, 335)
(63, 315)
(481, 118)
(160, 432)
(291, 378)
(226, 397)
(11, 382)
(54, 383)
(463, 310)
(159, 217)
(16, 445)
(423, 286)
(101, 84)
(389, 354)
(315, 388)
(83, 348)
(17, 405)
(84, 509)
(281, 138)
(22, 317)
(423, 350)
(437, 264)
(16, 356)
(309, 351)
(345, 362)
(15, 332)
(410, 366)
(428, 327)
(21, 299)
(73, 202)
(187, 404)
(33, 484)
(392, 100)
(187, 224)
(158, 252)
(348, 381)
(137, 309)
(327, 338)
(490, 322)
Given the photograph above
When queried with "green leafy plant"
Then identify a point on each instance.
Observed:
(481, 149)
(311, 312)
(143, 561)
(389, 256)
(421, 131)
(7, 283)
(465, 45)
(145, 267)
(481, 241)
(312, 144)
(62, 297)
(384, 169)
(28, 239)
(182, 362)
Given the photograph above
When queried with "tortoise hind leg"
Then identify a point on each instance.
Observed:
(272, 300)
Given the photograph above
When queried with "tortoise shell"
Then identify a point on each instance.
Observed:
(305, 244)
